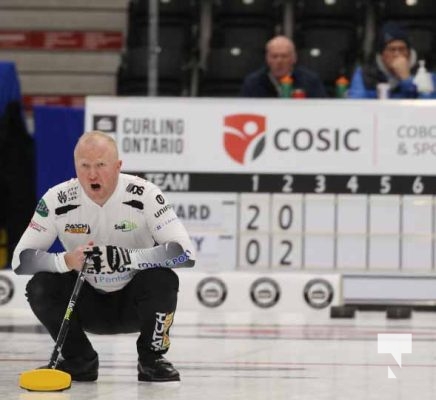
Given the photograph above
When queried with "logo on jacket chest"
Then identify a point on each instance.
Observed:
(77, 228)
(125, 226)
(67, 195)
(135, 189)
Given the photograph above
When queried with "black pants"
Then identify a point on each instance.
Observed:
(146, 305)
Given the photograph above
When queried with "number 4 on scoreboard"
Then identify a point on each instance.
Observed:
(353, 184)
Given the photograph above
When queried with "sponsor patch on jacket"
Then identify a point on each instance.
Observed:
(42, 208)
(160, 226)
(69, 195)
(37, 227)
(78, 228)
(162, 210)
(125, 226)
(135, 189)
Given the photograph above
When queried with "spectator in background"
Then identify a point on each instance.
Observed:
(281, 57)
(395, 64)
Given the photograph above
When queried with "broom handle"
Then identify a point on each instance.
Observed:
(66, 321)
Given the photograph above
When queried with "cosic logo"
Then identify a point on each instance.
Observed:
(211, 292)
(320, 140)
(318, 293)
(265, 292)
(135, 189)
(244, 136)
(105, 123)
(6, 290)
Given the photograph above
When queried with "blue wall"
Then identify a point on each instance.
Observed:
(57, 130)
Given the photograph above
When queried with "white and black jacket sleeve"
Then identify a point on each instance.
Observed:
(30, 255)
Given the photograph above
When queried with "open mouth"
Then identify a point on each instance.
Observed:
(95, 186)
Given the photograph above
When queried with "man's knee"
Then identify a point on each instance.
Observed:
(157, 280)
(38, 285)
(163, 279)
(45, 286)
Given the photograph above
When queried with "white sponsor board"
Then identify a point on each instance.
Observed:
(13, 302)
(273, 185)
(308, 295)
(268, 135)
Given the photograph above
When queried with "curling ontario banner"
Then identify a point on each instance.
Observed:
(268, 135)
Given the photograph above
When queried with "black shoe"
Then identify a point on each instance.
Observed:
(158, 370)
(80, 368)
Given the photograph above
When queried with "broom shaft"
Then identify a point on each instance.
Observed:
(63, 331)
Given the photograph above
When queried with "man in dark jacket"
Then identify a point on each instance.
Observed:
(280, 58)
(395, 64)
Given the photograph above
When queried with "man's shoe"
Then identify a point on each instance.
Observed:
(158, 370)
(80, 368)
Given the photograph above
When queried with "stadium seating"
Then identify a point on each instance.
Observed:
(328, 63)
(328, 35)
(63, 51)
(177, 24)
(405, 9)
(103, 49)
(226, 68)
(233, 38)
(132, 77)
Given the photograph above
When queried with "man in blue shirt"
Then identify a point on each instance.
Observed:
(395, 64)
(280, 58)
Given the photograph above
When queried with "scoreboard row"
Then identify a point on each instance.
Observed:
(292, 183)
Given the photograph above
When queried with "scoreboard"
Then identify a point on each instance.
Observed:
(296, 222)
(288, 185)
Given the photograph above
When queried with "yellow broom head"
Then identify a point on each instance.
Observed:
(45, 380)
